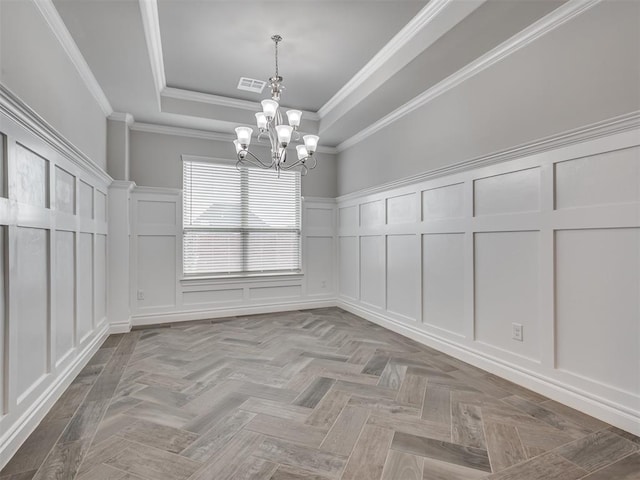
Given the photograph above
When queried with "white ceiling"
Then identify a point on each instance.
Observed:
(208, 46)
(349, 63)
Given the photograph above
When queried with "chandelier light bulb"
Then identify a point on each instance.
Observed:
(311, 143)
(294, 117)
(244, 136)
(239, 150)
(269, 108)
(302, 152)
(284, 134)
(261, 121)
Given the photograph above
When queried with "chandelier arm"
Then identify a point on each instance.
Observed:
(303, 161)
(256, 162)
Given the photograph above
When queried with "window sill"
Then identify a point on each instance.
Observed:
(241, 278)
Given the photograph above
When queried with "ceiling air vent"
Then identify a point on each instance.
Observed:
(251, 85)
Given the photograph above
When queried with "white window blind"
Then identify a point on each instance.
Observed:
(245, 221)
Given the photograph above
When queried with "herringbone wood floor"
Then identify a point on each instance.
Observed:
(315, 395)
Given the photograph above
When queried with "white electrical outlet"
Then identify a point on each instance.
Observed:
(323, 284)
(140, 295)
(517, 331)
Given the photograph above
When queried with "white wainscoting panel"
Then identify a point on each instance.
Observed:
(319, 216)
(506, 290)
(401, 209)
(320, 265)
(598, 306)
(85, 288)
(65, 293)
(608, 178)
(372, 287)
(52, 255)
(65, 191)
(3, 306)
(33, 316)
(101, 206)
(203, 297)
(161, 294)
(157, 275)
(443, 281)
(275, 293)
(403, 276)
(348, 251)
(32, 178)
(100, 293)
(549, 241)
(348, 217)
(443, 202)
(86, 200)
(371, 214)
(157, 213)
(513, 192)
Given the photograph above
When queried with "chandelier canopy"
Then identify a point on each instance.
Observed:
(271, 125)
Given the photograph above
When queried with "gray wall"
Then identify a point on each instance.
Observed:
(585, 71)
(155, 161)
(35, 67)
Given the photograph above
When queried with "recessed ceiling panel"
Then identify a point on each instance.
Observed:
(208, 45)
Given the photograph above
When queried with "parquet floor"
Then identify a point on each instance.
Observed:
(316, 395)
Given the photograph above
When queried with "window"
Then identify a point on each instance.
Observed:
(241, 222)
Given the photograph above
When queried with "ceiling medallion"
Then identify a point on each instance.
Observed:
(271, 125)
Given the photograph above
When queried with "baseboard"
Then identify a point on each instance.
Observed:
(190, 315)
(597, 407)
(120, 327)
(27, 423)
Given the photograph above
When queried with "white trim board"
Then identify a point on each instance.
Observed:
(14, 108)
(422, 31)
(14, 438)
(201, 134)
(573, 397)
(604, 128)
(151, 26)
(223, 312)
(55, 22)
(192, 96)
(520, 40)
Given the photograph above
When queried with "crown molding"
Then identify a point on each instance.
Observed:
(201, 134)
(410, 30)
(611, 126)
(52, 17)
(151, 26)
(219, 100)
(18, 111)
(122, 185)
(534, 31)
(181, 132)
(156, 190)
(122, 117)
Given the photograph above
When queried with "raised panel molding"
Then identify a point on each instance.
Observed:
(443, 272)
(608, 178)
(49, 267)
(403, 276)
(512, 192)
(506, 291)
(160, 293)
(598, 312)
(547, 240)
(372, 267)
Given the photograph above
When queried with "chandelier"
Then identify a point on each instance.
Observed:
(270, 125)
